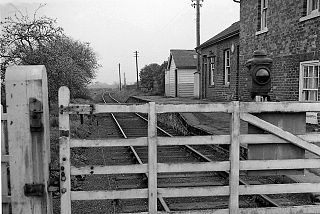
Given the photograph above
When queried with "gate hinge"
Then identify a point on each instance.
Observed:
(35, 109)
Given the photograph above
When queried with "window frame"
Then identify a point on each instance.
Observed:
(227, 68)
(302, 77)
(263, 12)
(211, 70)
(310, 14)
(309, 5)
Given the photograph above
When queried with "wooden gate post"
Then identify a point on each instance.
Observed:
(152, 158)
(28, 138)
(234, 159)
(64, 142)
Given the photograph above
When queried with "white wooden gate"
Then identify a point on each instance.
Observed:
(239, 111)
(28, 144)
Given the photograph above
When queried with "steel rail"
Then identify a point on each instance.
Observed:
(163, 203)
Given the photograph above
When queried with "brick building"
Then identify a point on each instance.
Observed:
(289, 32)
(220, 65)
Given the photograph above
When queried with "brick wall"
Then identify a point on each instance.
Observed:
(221, 92)
(287, 41)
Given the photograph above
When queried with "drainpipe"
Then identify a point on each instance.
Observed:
(237, 1)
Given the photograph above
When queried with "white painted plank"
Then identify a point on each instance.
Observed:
(113, 194)
(190, 140)
(117, 169)
(64, 141)
(257, 107)
(308, 209)
(194, 191)
(234, 159)
(193, 167)
(214, 107)
(279, 188)
(279, 164)
(280, 133)
(270, 138)
(141, 141)
(105, 108)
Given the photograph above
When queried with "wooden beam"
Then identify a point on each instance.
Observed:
(279, 164)
(280, 133)
(64, 141)
(141, 141)
(279, 188)
(234, 160)
(270, 138)
(152, 158)
(109, 195)
(194, 140)
(257, 107)
(117, 169)
(193, 167)
(104, 108)
(212, 107)
(310, 209)
(194, 191)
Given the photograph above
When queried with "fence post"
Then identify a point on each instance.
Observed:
(64, 141)
(29, 149)
(234, 159)
(4, 164)
(152, 158)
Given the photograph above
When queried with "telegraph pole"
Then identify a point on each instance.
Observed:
(196, 4)
(136, 56)
(119, 78)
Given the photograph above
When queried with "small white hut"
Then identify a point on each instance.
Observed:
(179, 76)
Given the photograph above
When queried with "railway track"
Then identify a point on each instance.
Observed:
(132, 125)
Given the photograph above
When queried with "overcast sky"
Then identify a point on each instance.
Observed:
(117, 28)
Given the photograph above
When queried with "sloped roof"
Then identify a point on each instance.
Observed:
(233, 30)
(183, 58)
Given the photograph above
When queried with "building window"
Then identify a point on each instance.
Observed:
(312, 6)
(211, 70)
(227, 73)
(311, 9)
(264, 8)
(309, 81)
(262, 16)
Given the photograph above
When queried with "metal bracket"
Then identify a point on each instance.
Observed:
(34, 189)
(35, 109)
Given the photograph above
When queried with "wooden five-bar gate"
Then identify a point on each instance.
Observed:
(239, 111)
(26, 149)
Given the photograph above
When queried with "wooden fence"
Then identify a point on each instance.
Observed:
(239, 111)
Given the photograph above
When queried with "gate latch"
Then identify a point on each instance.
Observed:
(34, 189)
(35, 108)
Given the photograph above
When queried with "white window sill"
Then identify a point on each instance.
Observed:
(262, 31)
(310, 16)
